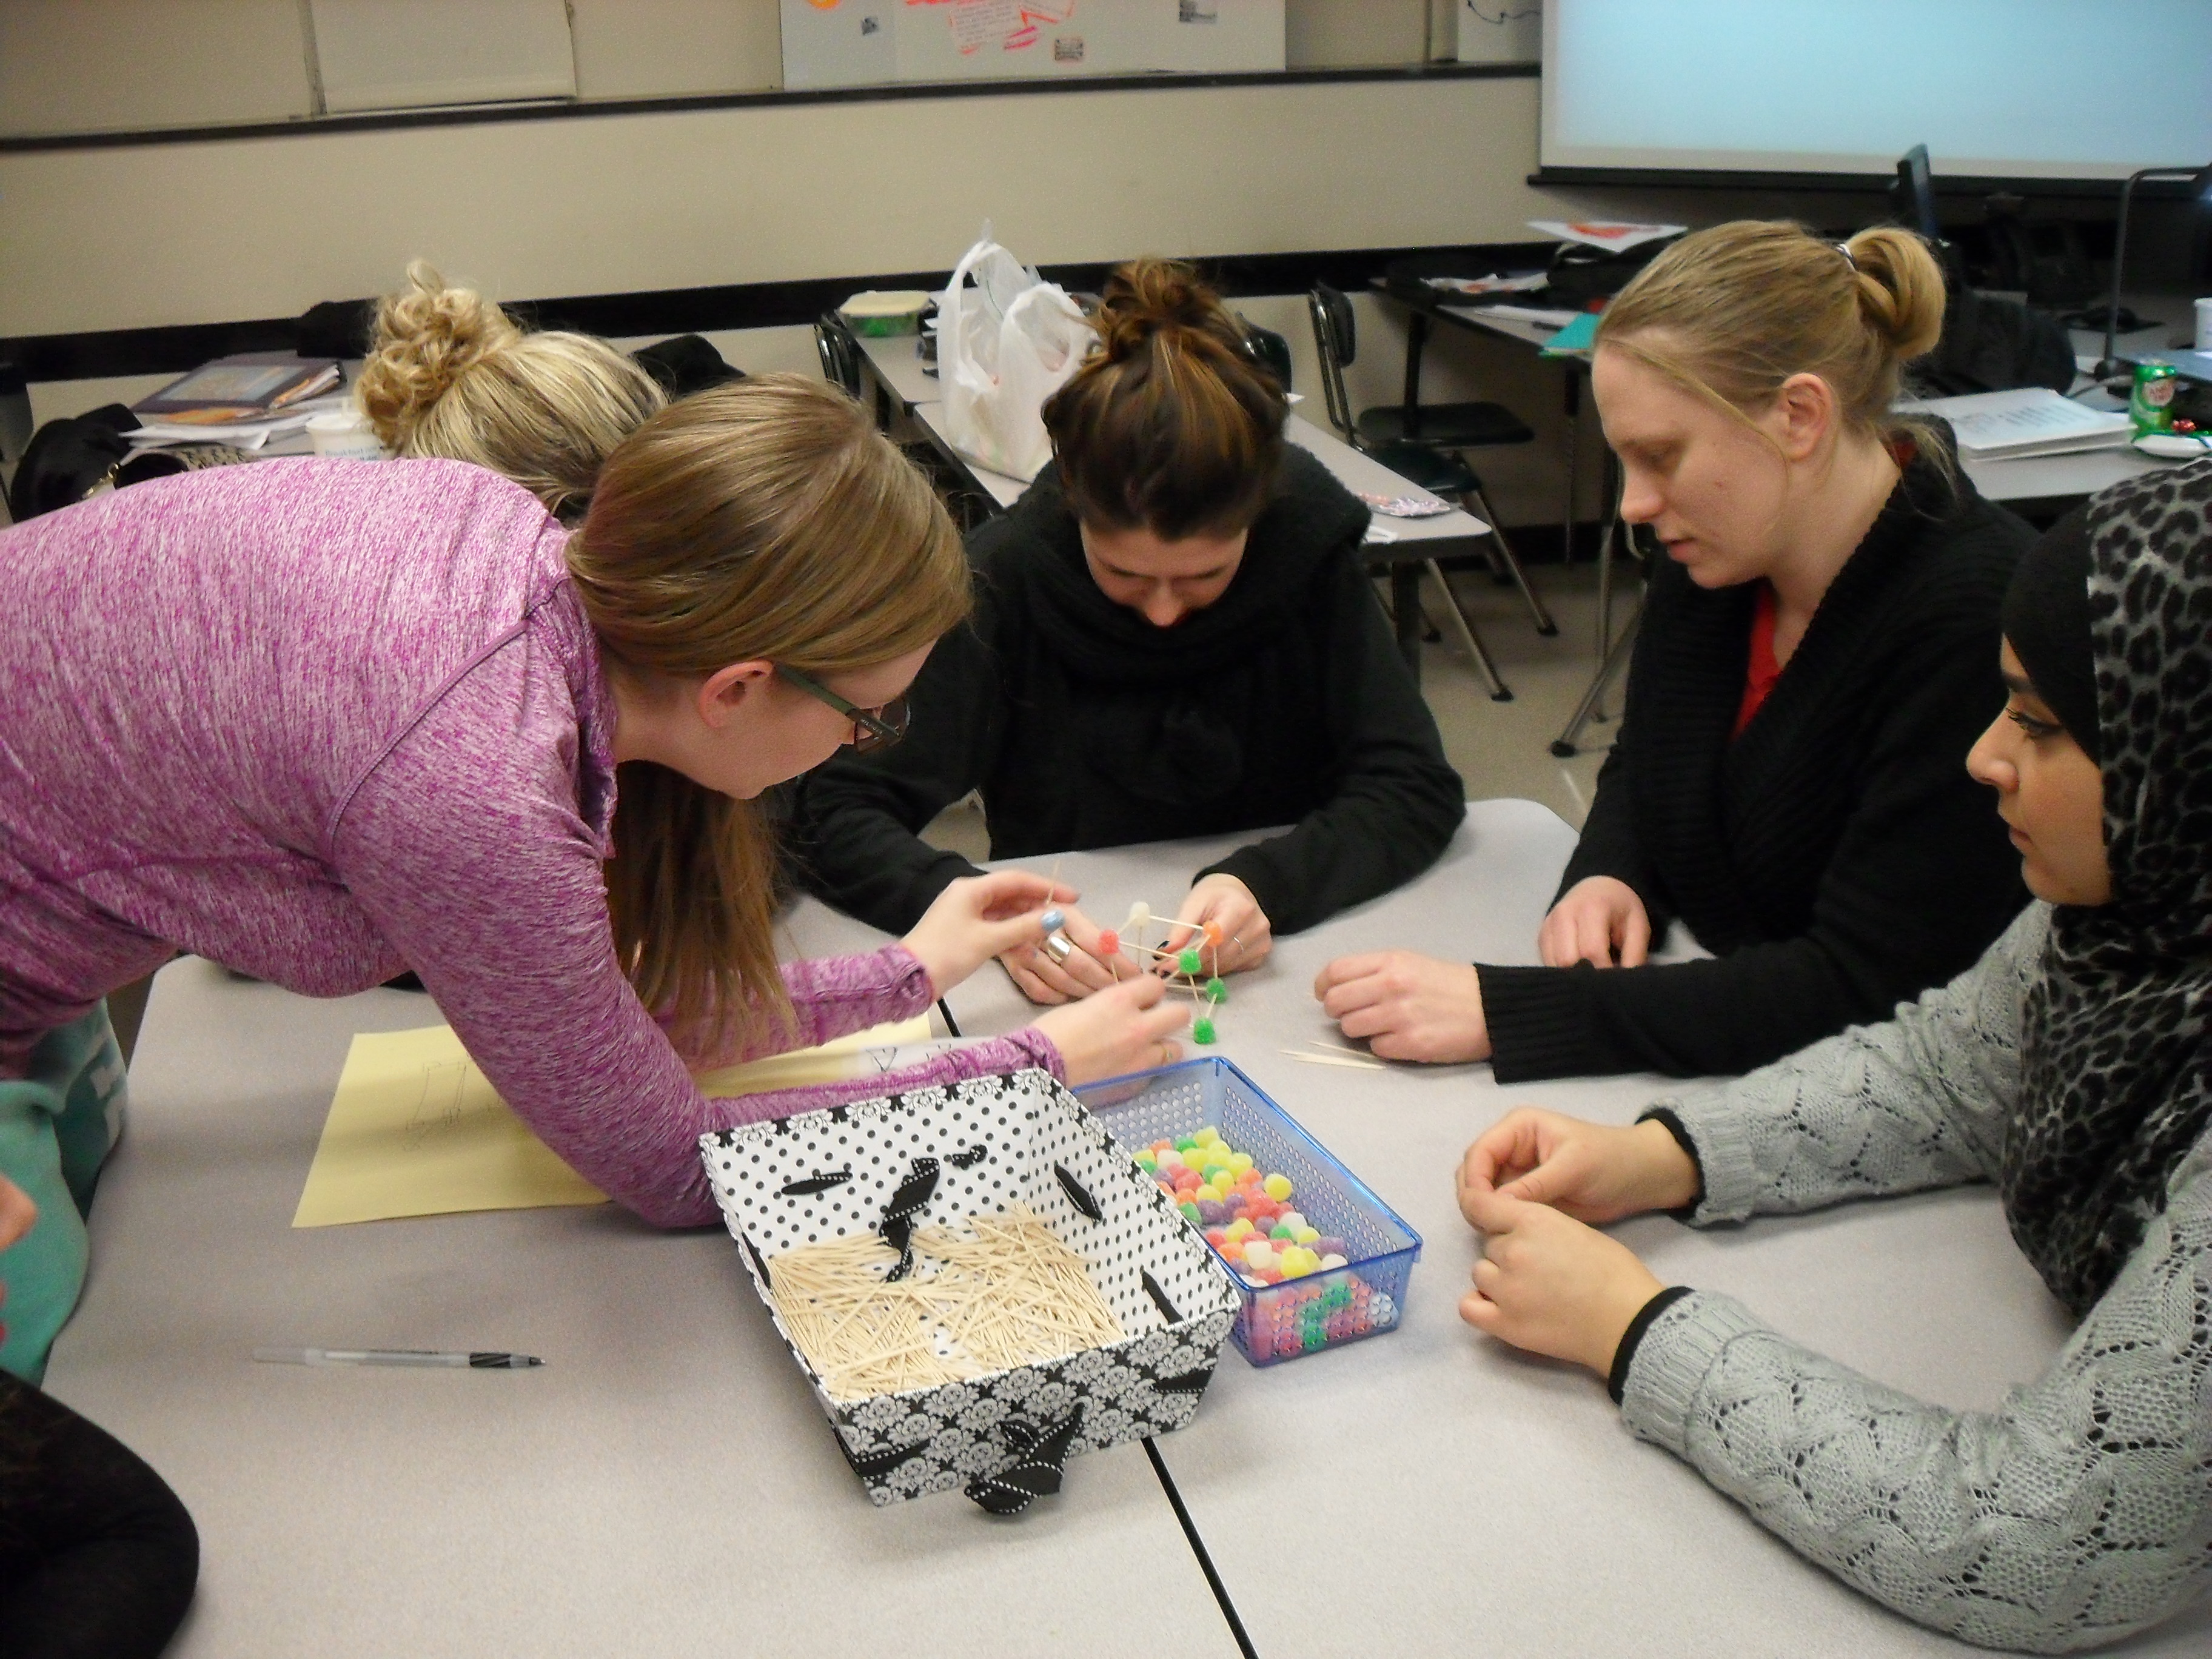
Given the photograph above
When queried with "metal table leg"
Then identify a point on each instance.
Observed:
(1573, 397)
(1406, 613)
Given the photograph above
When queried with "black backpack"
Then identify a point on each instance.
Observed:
(1990, 344)
(68, 460)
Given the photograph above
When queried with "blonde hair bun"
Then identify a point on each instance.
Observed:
(452, 375)
(1732, 312)
(427, 335)
(1900, 289)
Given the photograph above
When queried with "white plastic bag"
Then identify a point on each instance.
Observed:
(1003, 347)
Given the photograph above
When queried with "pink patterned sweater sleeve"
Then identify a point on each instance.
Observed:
(493, 894)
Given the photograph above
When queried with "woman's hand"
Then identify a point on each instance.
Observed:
(979, 917)
(1412, 1006)
(17, 1212)
(1128, 1028)
(1041, 975)
(1599, 921)
(1590, 1172)
(1549, 1283)
(1228, 903)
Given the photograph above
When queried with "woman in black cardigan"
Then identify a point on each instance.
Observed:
(1815, 661)
(1173, 637)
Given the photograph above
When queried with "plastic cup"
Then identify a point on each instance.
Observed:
(344, 434)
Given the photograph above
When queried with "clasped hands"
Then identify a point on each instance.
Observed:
(1538, 1185)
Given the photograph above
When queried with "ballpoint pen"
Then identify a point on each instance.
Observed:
(473, 1362)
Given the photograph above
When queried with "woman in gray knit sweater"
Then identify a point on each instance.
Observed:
(2071, 1066)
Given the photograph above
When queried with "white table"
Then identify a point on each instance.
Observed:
(893, 362)
(665, 1485)
(1459, 1497)
(1423, 1492)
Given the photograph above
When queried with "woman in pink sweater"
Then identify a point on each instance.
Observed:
(323, 722)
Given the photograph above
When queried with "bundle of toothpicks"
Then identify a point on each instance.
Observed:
(1002, 1291)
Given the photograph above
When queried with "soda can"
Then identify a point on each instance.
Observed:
(2150, 400)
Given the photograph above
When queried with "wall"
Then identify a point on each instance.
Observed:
(109, 65)
(228, 229)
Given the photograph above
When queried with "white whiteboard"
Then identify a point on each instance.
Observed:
(1995, 89)
(851, 43)
(1500, 31)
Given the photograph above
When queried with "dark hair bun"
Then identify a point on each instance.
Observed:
(1148, 296)
(1171, 423)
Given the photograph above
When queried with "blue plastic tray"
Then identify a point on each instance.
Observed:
(1365, 1298)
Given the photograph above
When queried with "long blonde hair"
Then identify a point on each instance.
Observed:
(450, 374)
(767, 520)
(1731, 313)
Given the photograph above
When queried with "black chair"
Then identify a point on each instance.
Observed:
(1418, 441)
(1269, 350)
(839, 352)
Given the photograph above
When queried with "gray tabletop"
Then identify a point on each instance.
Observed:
(893, 362)
(1431, 1491)
(665, 1485)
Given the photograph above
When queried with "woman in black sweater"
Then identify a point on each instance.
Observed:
(1173, 637)
(1815, 662)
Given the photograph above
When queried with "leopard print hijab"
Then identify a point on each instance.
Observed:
(2116, 1051)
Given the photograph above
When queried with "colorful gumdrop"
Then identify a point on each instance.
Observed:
(1216, 990)
(1187, 962)
(1110, 942)
(1201, 1030)
(1211, 933)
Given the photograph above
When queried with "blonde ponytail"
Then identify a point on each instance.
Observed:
(768, 520)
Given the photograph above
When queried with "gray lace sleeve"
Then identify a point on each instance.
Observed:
(1917, 1101)
(2079, 1513)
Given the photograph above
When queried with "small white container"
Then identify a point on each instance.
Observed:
(344, 434)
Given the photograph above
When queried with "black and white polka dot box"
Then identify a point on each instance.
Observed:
(936, 1157)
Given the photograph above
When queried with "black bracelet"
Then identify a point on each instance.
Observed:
(1625, 1355)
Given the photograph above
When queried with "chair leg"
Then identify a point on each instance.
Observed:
(1537, 614)
(1499, 691)
(1586, 709)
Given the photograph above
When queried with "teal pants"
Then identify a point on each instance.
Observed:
(57, 1126)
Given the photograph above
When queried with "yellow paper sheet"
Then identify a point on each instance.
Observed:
(416, 1130)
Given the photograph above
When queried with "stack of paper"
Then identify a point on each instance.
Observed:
(1617, 234)
(2000, 426)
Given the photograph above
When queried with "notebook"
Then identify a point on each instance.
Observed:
(2002, 426)
(239, 388)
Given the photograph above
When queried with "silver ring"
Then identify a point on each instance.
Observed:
(1059, 947)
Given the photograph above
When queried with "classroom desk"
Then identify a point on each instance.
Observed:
(665, 1485)
(893, 362)
(1414, 546)
(1425, 1491)
(1431, 1491)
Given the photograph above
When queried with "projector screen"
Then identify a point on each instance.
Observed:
(1999, 89)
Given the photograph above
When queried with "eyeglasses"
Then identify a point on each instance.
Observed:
(872, 728)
